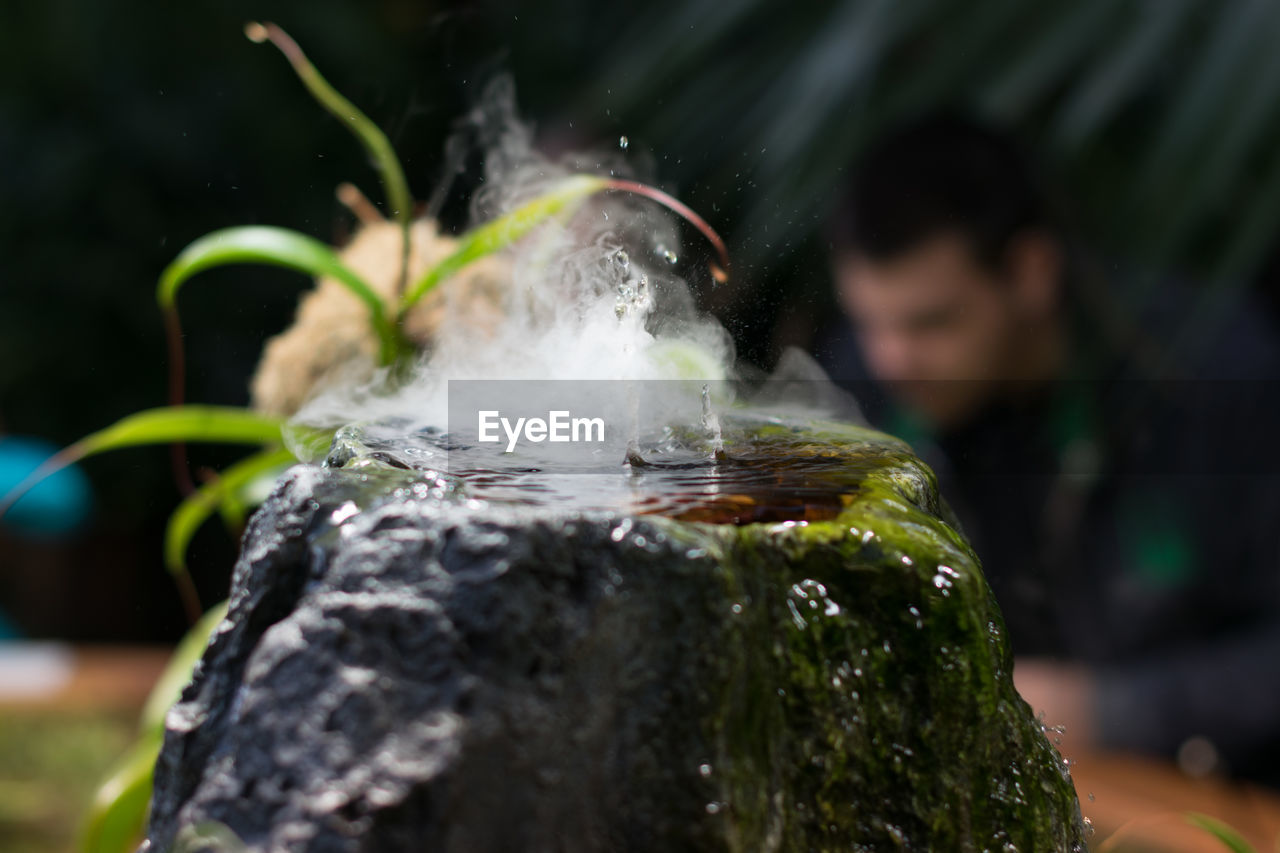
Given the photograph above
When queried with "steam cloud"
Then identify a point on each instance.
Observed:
(591, 297)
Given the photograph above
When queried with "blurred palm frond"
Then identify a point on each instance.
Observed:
(1161, 116)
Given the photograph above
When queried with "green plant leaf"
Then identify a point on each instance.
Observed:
(177, 672)
(117, 817)
(282, 247)
(371, 137)
(159, 426)
(201, 504)
(1230, 839)
(233, 509)
(118, 814)
(369, 134)
(503, 231)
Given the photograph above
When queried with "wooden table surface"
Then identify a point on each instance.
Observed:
(1140, 804)
(79, 678)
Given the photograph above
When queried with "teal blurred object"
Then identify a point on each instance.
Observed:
(56, 506)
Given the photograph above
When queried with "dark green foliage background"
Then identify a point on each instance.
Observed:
(127, 129)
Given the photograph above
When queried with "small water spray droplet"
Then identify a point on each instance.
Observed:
(711, 423)
(623, 142)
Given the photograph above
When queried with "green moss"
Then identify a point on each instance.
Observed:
(870, 695)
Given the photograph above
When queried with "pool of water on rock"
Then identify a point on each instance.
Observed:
(772, 470)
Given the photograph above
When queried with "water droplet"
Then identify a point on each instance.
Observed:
(796, 618)
(623, 142)
(713, 808)
(705, 770)
(1091, 796)
(343, 513)
(1088, 828)
(736, 608)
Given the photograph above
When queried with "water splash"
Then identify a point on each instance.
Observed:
(574, 299)
(711, 423)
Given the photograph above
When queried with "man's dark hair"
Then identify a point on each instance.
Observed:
(940, 174)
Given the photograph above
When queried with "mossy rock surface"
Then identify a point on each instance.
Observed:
(402, 669)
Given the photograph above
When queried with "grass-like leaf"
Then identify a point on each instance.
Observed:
(370, 136)
(1230, 839)
(118, 814)
(177, 672)
(197, 507)
(502, 232)
(225, 424)
(264, 244)
(159, 426)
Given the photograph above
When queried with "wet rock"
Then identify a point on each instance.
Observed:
(402, 670)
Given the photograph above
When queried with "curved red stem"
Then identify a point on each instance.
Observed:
(719, 273)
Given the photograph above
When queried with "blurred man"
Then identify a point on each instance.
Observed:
(1133, 547)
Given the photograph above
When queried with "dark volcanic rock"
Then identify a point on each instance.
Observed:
(401, 671)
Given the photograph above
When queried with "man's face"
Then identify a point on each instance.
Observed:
(933, 324)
